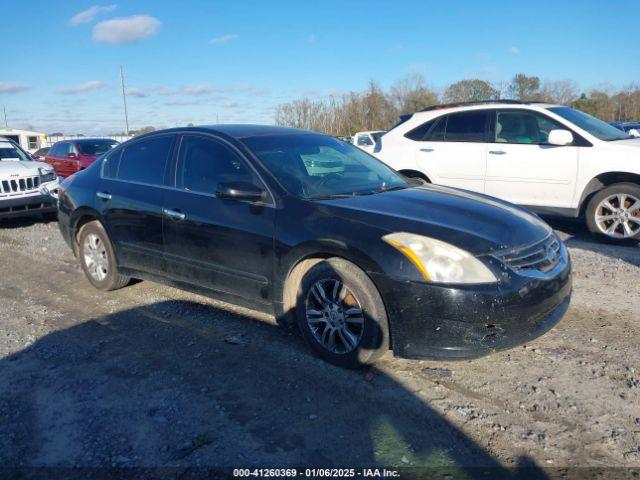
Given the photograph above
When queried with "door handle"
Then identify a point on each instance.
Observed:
(497, 152)
(174, 215)
(426, 149)
(103, 196)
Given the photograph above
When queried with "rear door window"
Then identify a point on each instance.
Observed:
(145, 161)
(467, 126)
(418, 133)
(437, 133)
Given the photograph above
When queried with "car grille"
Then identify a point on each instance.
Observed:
(539, 257)
(19, 185)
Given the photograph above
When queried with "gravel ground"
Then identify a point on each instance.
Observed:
(152, 376)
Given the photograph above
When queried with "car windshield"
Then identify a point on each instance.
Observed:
(9, 152)
(318, 166)
(595, 127)
(97, 147)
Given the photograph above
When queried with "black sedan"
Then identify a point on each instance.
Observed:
(318, 232)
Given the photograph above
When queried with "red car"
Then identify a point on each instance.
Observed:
(70, 156)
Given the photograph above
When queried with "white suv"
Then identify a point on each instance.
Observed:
(27, 187)
(550, 158)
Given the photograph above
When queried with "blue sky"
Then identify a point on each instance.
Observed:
(234, 61)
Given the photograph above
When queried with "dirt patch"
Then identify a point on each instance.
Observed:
(154, 376)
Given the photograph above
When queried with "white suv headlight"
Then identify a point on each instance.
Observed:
(439, 261)
(47, 175)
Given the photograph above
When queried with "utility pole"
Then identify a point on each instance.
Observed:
(124, 100)
(6, 125)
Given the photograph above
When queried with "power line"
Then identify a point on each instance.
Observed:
(124, 100)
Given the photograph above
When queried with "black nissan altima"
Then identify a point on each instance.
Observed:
(318, 232)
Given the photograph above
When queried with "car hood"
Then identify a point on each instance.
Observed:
(10, 167)
(477, 223)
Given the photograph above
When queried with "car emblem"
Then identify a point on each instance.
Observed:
(552, 255)
(14, 175)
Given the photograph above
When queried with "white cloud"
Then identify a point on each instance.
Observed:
(137, 92)
(196, 90)
(223, 39)
(180, 103)
(85, 87)
(88, 15)
(123, 30)
(514, 50)
(12, 87)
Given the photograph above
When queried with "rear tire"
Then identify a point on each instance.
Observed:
(613, 214)
(97, 258)
(341, 314)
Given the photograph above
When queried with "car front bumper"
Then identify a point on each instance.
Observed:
(429, 321)
(20, 206)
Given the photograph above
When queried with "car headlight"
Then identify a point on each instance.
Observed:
(47, 175)
(439, 261)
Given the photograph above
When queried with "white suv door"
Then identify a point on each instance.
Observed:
(522, 167)
(453, 150)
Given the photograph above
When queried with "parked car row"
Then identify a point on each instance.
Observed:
(29, 181)
(365, 258)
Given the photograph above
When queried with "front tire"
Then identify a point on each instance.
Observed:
(341, 314)
(613, 214)
(97, 258)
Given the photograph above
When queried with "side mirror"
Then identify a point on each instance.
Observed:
(240, 191)
(634, 132)
(560, 137)
(72, 155)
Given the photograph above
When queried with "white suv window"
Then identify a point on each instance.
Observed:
(364, 140)
(523, 127)
(469, 126)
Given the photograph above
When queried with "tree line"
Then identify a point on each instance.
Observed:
(376, 109)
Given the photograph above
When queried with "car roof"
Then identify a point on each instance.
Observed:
(485, 103)
(438, 110)
(82, 140)
(234, 131)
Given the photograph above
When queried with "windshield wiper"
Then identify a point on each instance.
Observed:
(394, 187)
(338, 195)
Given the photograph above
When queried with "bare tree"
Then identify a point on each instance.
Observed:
(563, 92)
(411, 94)
(470, 91)
(375, 109)
(525, 88)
